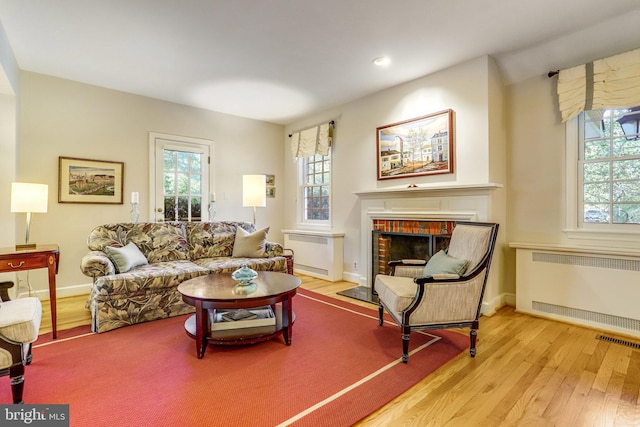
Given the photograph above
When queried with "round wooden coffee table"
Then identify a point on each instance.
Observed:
(218, 291)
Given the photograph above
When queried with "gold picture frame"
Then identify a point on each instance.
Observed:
(416, 147)
(90, 181)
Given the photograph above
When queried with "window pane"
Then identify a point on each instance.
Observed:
(595, 193)
(196, 161)
(626, 169)
(596, 171)
(183, 208)
(169, 208)
(183, 161)
(596, 213)
(169, 160)
(623, 147)
(626, 191)
(596, 149)
(169, 183)
(196, 210)
(626, 214)
(593, 130)
(195, 184)
(183, 183)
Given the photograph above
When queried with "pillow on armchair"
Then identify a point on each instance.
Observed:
(441, 263)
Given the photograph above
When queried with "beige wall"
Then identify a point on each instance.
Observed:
(71, 119)
(536, 163)
(8, 141)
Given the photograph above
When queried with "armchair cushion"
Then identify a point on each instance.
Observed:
(397, 292)
(250, 245)
(441, 263)
(126, 258)
(20, 319)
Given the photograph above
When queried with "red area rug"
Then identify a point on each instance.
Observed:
(340, 367)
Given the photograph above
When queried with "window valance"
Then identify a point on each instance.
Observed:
(612, 82)
(312, 141)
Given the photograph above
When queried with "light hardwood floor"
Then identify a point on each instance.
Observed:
(528, 372)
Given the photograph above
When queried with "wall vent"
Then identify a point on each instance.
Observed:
(589, 316)
(619, 341)
(588, 261)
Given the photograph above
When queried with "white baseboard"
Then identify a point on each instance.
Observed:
(61, 292)
(489, 307)
(351, 277)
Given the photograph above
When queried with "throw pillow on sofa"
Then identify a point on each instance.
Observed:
(441, 263)
(125, 258)
(250, 245)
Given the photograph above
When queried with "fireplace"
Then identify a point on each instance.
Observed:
(428, 210)
(393, 240)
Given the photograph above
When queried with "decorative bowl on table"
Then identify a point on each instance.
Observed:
(244, 276)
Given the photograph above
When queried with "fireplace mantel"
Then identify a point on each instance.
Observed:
(428, 190)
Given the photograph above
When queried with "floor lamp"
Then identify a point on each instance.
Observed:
(28, 198)
(254, 192)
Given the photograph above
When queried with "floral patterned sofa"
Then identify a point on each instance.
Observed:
(174, 252)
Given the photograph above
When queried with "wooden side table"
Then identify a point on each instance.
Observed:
(43, 256)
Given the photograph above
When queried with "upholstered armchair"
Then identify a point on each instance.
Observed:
(19, 326)
(444, 292)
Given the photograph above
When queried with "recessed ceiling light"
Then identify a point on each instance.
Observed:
(382, 61)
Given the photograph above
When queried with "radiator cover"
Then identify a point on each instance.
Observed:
(590, 289)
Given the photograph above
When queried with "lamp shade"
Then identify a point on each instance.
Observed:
(28, 197)
(254, 190)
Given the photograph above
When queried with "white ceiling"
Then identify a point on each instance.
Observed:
(280, 60)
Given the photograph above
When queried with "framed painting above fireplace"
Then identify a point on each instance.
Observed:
(416, 147)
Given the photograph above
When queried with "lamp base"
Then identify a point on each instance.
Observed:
(25, 246)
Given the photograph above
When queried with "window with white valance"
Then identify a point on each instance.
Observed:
(312, 141)
(610, 83)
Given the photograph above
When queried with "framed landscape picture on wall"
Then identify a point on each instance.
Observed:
(89, 181)
(415, 147)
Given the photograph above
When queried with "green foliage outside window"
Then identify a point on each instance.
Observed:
(610, 159)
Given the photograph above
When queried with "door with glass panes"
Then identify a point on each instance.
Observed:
(181, 187)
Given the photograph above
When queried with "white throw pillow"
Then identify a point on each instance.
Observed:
(126, 258)
(250, 245)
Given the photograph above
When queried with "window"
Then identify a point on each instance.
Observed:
(315, 188)
(182, 182)
(609, 167)
(180, 178)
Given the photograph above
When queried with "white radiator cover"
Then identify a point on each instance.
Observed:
(316, 253)
(593, 288)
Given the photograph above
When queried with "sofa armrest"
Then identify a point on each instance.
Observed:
(96, 264)
(273, 249)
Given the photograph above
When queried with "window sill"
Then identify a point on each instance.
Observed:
(622, 235)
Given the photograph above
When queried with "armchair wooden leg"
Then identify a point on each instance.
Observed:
(380, 315)
(405, 344)
(472, 345)
(17, 383)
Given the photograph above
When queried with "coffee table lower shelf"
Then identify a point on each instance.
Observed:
(240, 336)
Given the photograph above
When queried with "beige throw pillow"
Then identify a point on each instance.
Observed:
(250, 245)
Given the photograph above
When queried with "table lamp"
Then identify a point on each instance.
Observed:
(254, 192)
(29, 198)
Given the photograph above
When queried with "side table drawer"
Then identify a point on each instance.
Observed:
(26, 263)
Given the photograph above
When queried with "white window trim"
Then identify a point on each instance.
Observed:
(312, 224)
(574, 228)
